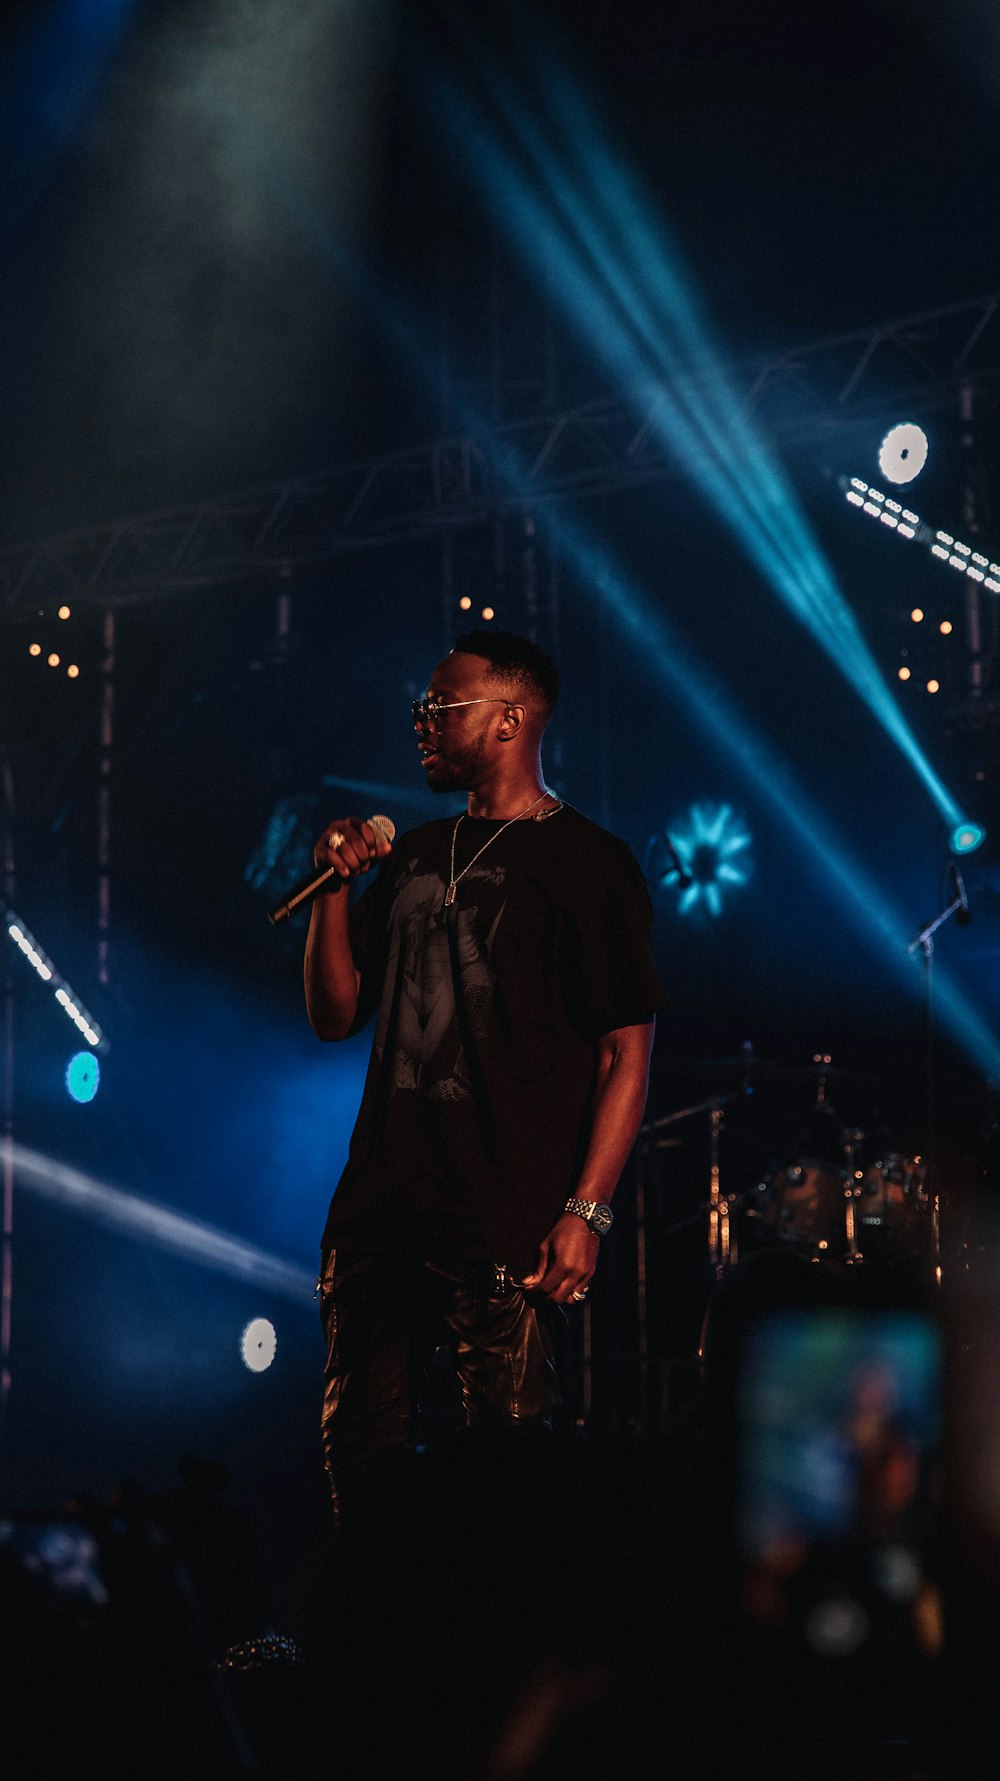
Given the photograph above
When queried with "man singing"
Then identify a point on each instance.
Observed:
(507, 956)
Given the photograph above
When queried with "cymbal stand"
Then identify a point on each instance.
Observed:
(852, 1137)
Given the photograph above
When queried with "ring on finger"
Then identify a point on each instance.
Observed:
(335, 839)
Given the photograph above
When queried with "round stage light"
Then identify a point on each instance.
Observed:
(903, 453)
(966, 837)
(465, 603)
(83, 1076)
(257, 1344)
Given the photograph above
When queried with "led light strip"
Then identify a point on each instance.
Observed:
(907, 524)
(68, 1001)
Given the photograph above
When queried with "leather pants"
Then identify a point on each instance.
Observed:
(383, 1318)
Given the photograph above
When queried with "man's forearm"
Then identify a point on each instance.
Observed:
(618, 1106)
(331, 979)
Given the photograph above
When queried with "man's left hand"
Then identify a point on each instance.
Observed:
(567, 1260)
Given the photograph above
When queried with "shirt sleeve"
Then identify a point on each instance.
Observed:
(616, 981)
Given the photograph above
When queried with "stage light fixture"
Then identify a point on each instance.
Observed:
(53, 660)
(73, 671)
(946, 627)
(83, 1076)
(966, 837)
(904, 674)
(903, 453)
(488, 613)
(68, 1001)
(907, 524)
(63, 612)
(465, 603)
(933, 686)
(917, 614)
(706, 853)
(258, 1344)
(34, 649)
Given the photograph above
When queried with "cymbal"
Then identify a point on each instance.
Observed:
(815, 1072)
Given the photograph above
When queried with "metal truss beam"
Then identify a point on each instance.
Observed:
(808, 393)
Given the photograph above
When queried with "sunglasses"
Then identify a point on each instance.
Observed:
(428, 710)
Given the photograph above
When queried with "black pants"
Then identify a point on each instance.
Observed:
(384, 1317)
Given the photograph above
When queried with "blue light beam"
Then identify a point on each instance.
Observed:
(160, 1225)
(609, 263)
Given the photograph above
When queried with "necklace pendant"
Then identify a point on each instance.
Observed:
(450, 894)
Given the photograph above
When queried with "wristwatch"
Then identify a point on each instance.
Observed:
(594, 1213)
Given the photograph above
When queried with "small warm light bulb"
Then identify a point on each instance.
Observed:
(946, 627)
(917, 614)
(34, 649)
(73, 671)
(933, 686)
(904, 673)
(53, 660)
(465, 602)
(63, 612)
(488, 612)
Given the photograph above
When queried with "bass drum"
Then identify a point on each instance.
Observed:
(805, 1209)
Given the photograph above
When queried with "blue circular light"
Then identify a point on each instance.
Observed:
(83, 1076)
(966, 837)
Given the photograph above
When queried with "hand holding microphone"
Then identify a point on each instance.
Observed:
(348, 848)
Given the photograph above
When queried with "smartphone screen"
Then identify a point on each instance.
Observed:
(840, 1429)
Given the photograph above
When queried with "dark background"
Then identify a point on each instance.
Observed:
(244, 243)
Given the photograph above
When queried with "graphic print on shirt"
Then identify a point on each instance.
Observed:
(429, 947)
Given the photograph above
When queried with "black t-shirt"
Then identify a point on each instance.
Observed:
(475, 1116)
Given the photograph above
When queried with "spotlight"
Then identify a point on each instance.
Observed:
(73, 671)
(903, 453)
(465, 603)
(933, 686)
(710, 846)
(53, 660)
(34, 649)
(904, 673)
(946, 627)
(917, 614)
(257, 1345)
(83, 1076)
(488, 613)
(63, 612)
(966, 837)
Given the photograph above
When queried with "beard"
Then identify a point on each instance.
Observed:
(456, 771)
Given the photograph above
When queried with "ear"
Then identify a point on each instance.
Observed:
(511, 722)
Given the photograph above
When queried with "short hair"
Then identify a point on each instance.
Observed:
(514, 659)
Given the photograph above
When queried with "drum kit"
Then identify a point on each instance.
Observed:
(832, 1194)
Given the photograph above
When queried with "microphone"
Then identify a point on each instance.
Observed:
(322, 875)
(684, 877)
(963, 915)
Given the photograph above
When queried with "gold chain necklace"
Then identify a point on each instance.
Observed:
(449, 895)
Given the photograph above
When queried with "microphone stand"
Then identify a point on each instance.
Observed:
(924, 944)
